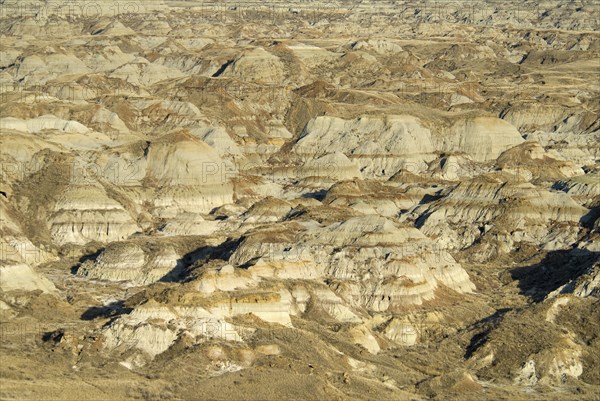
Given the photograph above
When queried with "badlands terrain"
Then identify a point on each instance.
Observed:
(353, 200)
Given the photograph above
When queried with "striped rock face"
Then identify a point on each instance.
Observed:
(352, 200)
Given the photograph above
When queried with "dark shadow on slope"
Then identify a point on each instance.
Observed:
(555, 270)
(191, 260)
(486, 326)
(222, 69)
(422, 219)
(430, 198)
(250, 263)
(318, 195)
(91, 256)
(110, 310)
(590, 217)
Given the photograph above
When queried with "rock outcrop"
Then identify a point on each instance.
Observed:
(360, 200)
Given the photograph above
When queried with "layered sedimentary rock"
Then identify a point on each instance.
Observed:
(85, 213)
(583, 188)
(257, 65)
(481, 138)
(128, 262)
(403, 142)
(504, 212)
(191, 174)
(299, 201)
(531, 161)
(379, 146)
(153, 327)
(373, 263)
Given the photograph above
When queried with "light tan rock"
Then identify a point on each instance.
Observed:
(22, 277)
(381, 147)
(481, 138)
(85, 213)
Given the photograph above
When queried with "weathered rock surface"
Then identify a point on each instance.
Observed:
(299, 201)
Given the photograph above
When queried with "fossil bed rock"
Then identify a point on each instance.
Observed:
(345, 201)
